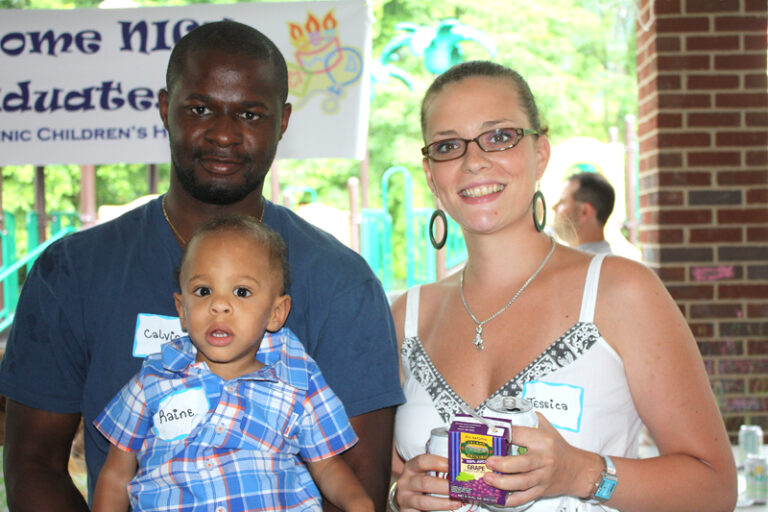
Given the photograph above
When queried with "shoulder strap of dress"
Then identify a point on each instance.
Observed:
(590, 289)
(411, 328)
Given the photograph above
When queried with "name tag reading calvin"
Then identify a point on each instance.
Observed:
(561, 404)
(179, 413)
(154, 330)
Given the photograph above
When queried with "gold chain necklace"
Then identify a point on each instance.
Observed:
(478, 341)
(173, 228)
(181, 238)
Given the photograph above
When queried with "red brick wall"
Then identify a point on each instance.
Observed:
(703, 152)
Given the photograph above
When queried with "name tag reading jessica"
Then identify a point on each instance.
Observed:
(154, 330)
(179, 413)
(561, 404)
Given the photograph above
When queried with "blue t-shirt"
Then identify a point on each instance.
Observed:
(88, 298)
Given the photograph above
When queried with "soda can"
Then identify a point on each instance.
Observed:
(437, 444)
(756, 471)
(750, 441)
(519, 412)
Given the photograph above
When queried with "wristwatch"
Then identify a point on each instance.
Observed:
(606, 484)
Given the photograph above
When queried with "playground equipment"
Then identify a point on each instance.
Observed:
(439, 46)
(376, 228)
(61, 224)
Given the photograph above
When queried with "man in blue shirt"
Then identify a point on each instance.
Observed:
(234, 416)
(100, 300)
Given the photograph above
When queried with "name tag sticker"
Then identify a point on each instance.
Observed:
(561, 404)
(179, 413)
(154, 330)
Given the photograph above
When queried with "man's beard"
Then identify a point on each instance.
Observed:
(221, 193)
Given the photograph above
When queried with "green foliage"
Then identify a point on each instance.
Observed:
(122, 183)
(62, 187)
(578, 56)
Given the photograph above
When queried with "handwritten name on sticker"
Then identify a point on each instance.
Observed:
(154, 330)
(179, 413)
(561, 404)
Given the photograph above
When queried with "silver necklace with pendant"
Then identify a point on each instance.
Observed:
(478, 341)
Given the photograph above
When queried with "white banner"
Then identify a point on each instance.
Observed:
(80, 86)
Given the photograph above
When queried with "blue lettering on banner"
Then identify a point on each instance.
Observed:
(141, 30)
(13, 44)
(15, 136)
(48, 134)
(108, 96)
(158, 130)
(141, 98)
(137, 36)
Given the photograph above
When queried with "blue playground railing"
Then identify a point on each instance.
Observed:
(61, 224)
(455, 250)
(376, 238)
(376, 243)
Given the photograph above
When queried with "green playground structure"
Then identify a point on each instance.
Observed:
(61, 224)
(376, 238)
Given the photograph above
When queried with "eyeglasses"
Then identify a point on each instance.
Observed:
(499, 139)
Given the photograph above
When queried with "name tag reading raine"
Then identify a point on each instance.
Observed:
(179, 413)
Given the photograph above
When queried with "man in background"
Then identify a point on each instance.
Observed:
(585, 204)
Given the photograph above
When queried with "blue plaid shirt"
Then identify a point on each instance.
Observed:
(203, 443)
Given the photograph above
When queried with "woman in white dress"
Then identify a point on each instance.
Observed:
(596, 342)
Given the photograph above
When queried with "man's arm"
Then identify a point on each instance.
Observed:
(36, 459)
(371, 458)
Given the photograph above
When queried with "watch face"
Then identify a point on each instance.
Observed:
(605, 491)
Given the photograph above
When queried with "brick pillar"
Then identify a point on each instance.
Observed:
(703, 139)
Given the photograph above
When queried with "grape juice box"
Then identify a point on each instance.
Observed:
(470, 442)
